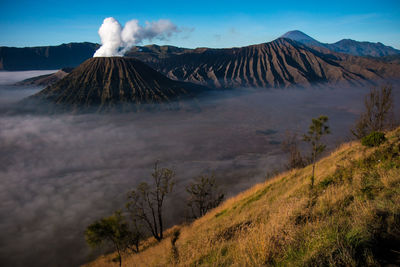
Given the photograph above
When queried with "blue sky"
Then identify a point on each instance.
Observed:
(204, 23)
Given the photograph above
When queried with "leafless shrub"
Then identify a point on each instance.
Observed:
(204, 195)
(378, 114)
(290, 145)
(146, 202)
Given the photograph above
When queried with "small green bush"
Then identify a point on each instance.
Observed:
(373, 139)
(326, 182)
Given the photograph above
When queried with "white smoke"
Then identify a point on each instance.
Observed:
(116, 40)
(110, 34)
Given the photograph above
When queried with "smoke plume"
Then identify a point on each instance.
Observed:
(116, 40)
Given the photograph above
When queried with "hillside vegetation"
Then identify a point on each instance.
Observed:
(350, 218)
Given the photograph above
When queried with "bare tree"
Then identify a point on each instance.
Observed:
(318, 128)
(378, 114)
(290, 145)
(135, 235)
(203, 195)
(146, 202)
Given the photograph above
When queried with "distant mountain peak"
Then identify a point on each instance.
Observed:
(347, 46)
(299, 36)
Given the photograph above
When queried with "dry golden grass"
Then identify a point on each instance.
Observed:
(281, 222)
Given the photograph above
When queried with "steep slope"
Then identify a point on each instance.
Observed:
(48, 79)
(280, 63)
(351, 219)
(108, 82)
(346, 46)
(393, 59)
(45, 57)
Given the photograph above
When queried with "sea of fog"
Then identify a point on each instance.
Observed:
(59, 173)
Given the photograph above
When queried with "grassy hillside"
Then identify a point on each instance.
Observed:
(352, 218)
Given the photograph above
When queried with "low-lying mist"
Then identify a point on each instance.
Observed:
(59, 173)
(10, 93)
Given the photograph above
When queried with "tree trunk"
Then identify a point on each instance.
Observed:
(313, 171)
(313, 167)
(154, 219)
(119, 255)
(160, 222)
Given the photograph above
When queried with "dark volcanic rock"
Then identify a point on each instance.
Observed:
(392, 59)
(104, 83)
(280, 63)
(153, 53)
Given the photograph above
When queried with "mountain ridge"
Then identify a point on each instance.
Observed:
(280, 63)
(72, 54)
(45, 57)
(347, 46)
